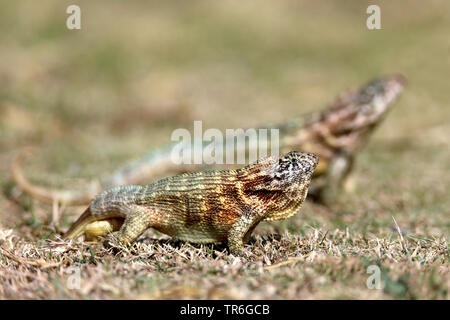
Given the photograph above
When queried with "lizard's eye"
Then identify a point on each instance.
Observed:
(283, 163)
(294, 164)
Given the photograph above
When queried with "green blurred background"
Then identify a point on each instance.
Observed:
(118, 82)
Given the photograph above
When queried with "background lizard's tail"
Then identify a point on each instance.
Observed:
(46, 194)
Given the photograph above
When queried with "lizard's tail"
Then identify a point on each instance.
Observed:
(78, 226)
(47, 195)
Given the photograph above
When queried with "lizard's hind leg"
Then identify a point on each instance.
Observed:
(138, 220)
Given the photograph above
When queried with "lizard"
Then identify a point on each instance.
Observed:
(335, 134)
(206, 206)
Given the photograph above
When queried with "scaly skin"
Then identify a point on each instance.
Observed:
(206, 206)
(334, 134)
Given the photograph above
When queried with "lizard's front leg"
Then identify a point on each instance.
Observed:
(138, 220)
(241, 230)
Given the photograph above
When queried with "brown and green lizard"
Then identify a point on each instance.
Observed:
(206, 206)
(334, 134)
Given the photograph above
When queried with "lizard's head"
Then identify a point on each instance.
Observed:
(376, 96)
(291, 170)
(273, 178)
(355, 112)
(294, 167)
(373, 99)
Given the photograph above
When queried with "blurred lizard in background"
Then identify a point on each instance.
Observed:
(334, 134)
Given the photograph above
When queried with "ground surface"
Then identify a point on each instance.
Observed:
(89, 100)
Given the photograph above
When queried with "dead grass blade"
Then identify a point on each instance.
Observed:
(288, 261)
(41, 264)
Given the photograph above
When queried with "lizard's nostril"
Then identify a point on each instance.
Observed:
(307, 165)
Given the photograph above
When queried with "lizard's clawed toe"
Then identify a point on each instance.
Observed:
(111, 240)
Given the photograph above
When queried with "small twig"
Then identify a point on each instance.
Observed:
(288, 261)
(321, 241)
(402, 240)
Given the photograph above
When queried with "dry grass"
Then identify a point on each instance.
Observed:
(91, 99)
(320, 264)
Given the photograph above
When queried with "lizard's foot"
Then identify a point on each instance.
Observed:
(113, 240)
(236, 249)
(240, 254)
